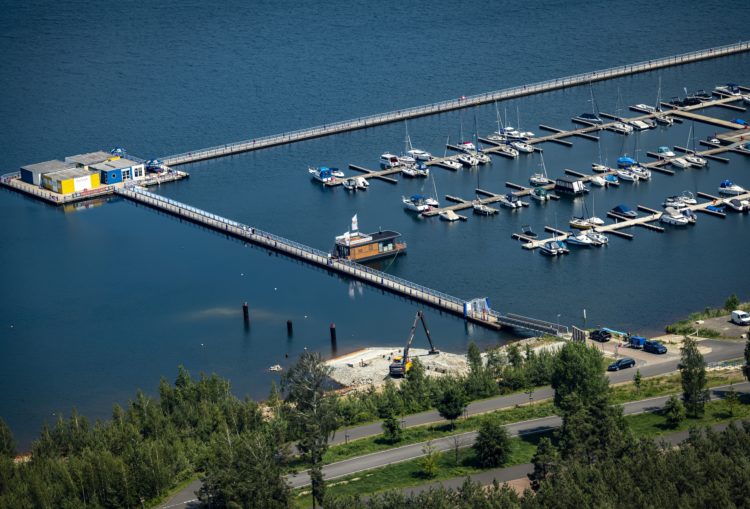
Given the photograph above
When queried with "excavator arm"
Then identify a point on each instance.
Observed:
(401, 366)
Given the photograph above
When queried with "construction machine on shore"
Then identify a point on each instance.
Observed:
(402, 363)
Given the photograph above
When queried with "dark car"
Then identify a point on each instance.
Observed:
(600, 335)
(625, 362)
(654, 347)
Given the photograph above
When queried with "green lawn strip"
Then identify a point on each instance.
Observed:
(688, 325)
(650, 388)
(409, 473)
(653, 424)
(668, 384)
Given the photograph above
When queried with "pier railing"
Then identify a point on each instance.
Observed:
(296, 249)
(452, 104)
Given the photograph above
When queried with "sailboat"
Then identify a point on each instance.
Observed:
(692, 157)
(450, 163)
(592, 118)
(415, 153)
(432, 201)
(540, 179)
(661, 119)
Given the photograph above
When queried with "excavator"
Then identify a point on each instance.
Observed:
(402, 363)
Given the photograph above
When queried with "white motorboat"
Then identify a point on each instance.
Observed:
(579, 239)
(621, 128)
(551, 248)
(595, 221)
(468, 160)
(409, 171)
(639, 125)
(627, 175)
(337, 173)
(600, 168)
(664, 152)
(361, 183)
(510, 200)
(598, 181)
(680, 162)
(406, 160)
(350, 184)
(482, 209)
(389, 160)
(728, 187)
(729, 89)
(664, 119)
(522, 147)
(597, 239)
(322, 174)
(539, 194)
(746, 99)
(419, 155)
(674, 202)
(497, 137)
(696, 161)
(482, 158)
(642, 172)
(645, 108)
(713, 141)
(468, 147)
(674, 217)
(734, 204)
(688, 198)
(449, 215)
(415, 203)
(452, 164)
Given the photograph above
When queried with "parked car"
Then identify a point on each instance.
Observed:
(625, 362)
(740, 317)
(654, 347)
(600, 335)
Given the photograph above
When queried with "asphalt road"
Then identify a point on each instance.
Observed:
(412, 451)
(720, 350)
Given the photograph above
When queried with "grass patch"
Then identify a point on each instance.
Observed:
(688, 326)
(409, 473)
(653, 424)
(668, 384)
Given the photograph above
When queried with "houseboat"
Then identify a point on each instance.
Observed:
(361, 247)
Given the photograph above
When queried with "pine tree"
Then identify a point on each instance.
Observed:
(545, 460)
(493, 446)
(674, 411)
(391, 428)
(7, 442)
(579, 371)
(452, 403)
(693, 377)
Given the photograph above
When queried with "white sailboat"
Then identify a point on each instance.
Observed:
(693, 158)
(540, 179)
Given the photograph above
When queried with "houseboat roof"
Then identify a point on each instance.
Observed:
(357, 238)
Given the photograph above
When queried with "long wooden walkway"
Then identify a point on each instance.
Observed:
(454, 104)
(376, 278)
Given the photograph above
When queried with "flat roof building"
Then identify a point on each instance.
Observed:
(32, 173)
(89, 158)
(71, 180)
(119, 169)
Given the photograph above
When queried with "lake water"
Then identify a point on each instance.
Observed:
(102, 300)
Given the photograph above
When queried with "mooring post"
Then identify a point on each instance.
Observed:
(333, 333)
(289, 328)
(246, 312)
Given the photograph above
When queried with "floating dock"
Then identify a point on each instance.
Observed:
(453, 104)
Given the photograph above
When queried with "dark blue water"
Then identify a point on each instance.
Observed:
(100, 301)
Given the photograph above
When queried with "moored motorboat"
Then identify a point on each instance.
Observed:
(406, 160)
(664, 152)
(409, 171)
(483, 209)
(664, 119)
(510, 201)
(419, 155)
(522, 147)
(322, 174)
(598, 181)
(550, 248)
(627, 175)
(449, 215)
(597, 239)
(389, 160)
(350, 184)
(612, 180)
(734, 204)
(600, 168)
(468, 160)
(680, 162)
(688, 198)
(452, 164)
(467, 146)
(696, 160)
(415, 203)
(579, 239)
(361, 183)
(624, 211)
(482, 158)
(528, 232)
(642, 172)
(539, 194)
(674, 202)
(507, 150)
(674, 217)
(728, 187)
(621, 128)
